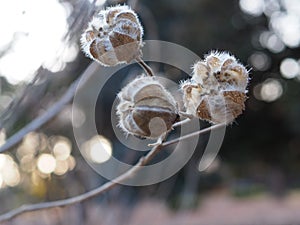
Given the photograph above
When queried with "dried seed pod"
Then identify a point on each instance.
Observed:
(113, 36)
(146, 108)
(217, 90)
(220, 70)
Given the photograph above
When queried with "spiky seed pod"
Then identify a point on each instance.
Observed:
(146, 108)
(113, 36)
(217, 90)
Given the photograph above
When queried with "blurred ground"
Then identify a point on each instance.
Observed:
(215, 209)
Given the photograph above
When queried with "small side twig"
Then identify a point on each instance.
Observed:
(107, 186)
(181, 122)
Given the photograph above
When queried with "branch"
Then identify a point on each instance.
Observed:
(107, 186)
(51, 112)
(58, 106)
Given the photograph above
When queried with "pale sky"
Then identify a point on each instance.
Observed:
(37, 27)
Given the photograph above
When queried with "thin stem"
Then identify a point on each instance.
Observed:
(105, 187)
(186, 115)
(146, 68)
(187, 136)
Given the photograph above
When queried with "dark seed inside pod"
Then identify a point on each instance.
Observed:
(124, 52)
(146, 108)
(154, 120)
(203, 111)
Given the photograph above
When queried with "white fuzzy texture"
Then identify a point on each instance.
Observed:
(141, 88)
(85, 45)
(217, 73)
(204, 72)
(133, 33)
(104, 25)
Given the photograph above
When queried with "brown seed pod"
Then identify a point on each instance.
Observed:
(113, 36)
(146, 108)
(217, 90)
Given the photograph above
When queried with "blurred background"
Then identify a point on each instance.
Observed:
(255, 178)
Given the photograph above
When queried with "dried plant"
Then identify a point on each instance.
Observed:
(113, 36)
(146, 108)
(216, 92)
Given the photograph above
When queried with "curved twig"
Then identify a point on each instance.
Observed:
(52, 111)
(107, 186)
(146, 68)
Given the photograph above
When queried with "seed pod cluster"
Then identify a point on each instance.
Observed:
(146, 109)
(217, 90)
(113, 36)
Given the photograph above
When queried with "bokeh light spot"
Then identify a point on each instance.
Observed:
(260, 61)
(1, 181)
(287, 26)
(2, 161)
(289, 68)
(78, 116)
(9, 171)
(71, 162)
(98, 149)
(61, 167)
(274, 44)
(252, 7)
(46, 163)
(62, 149)
(269, 91)
(12, 177)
